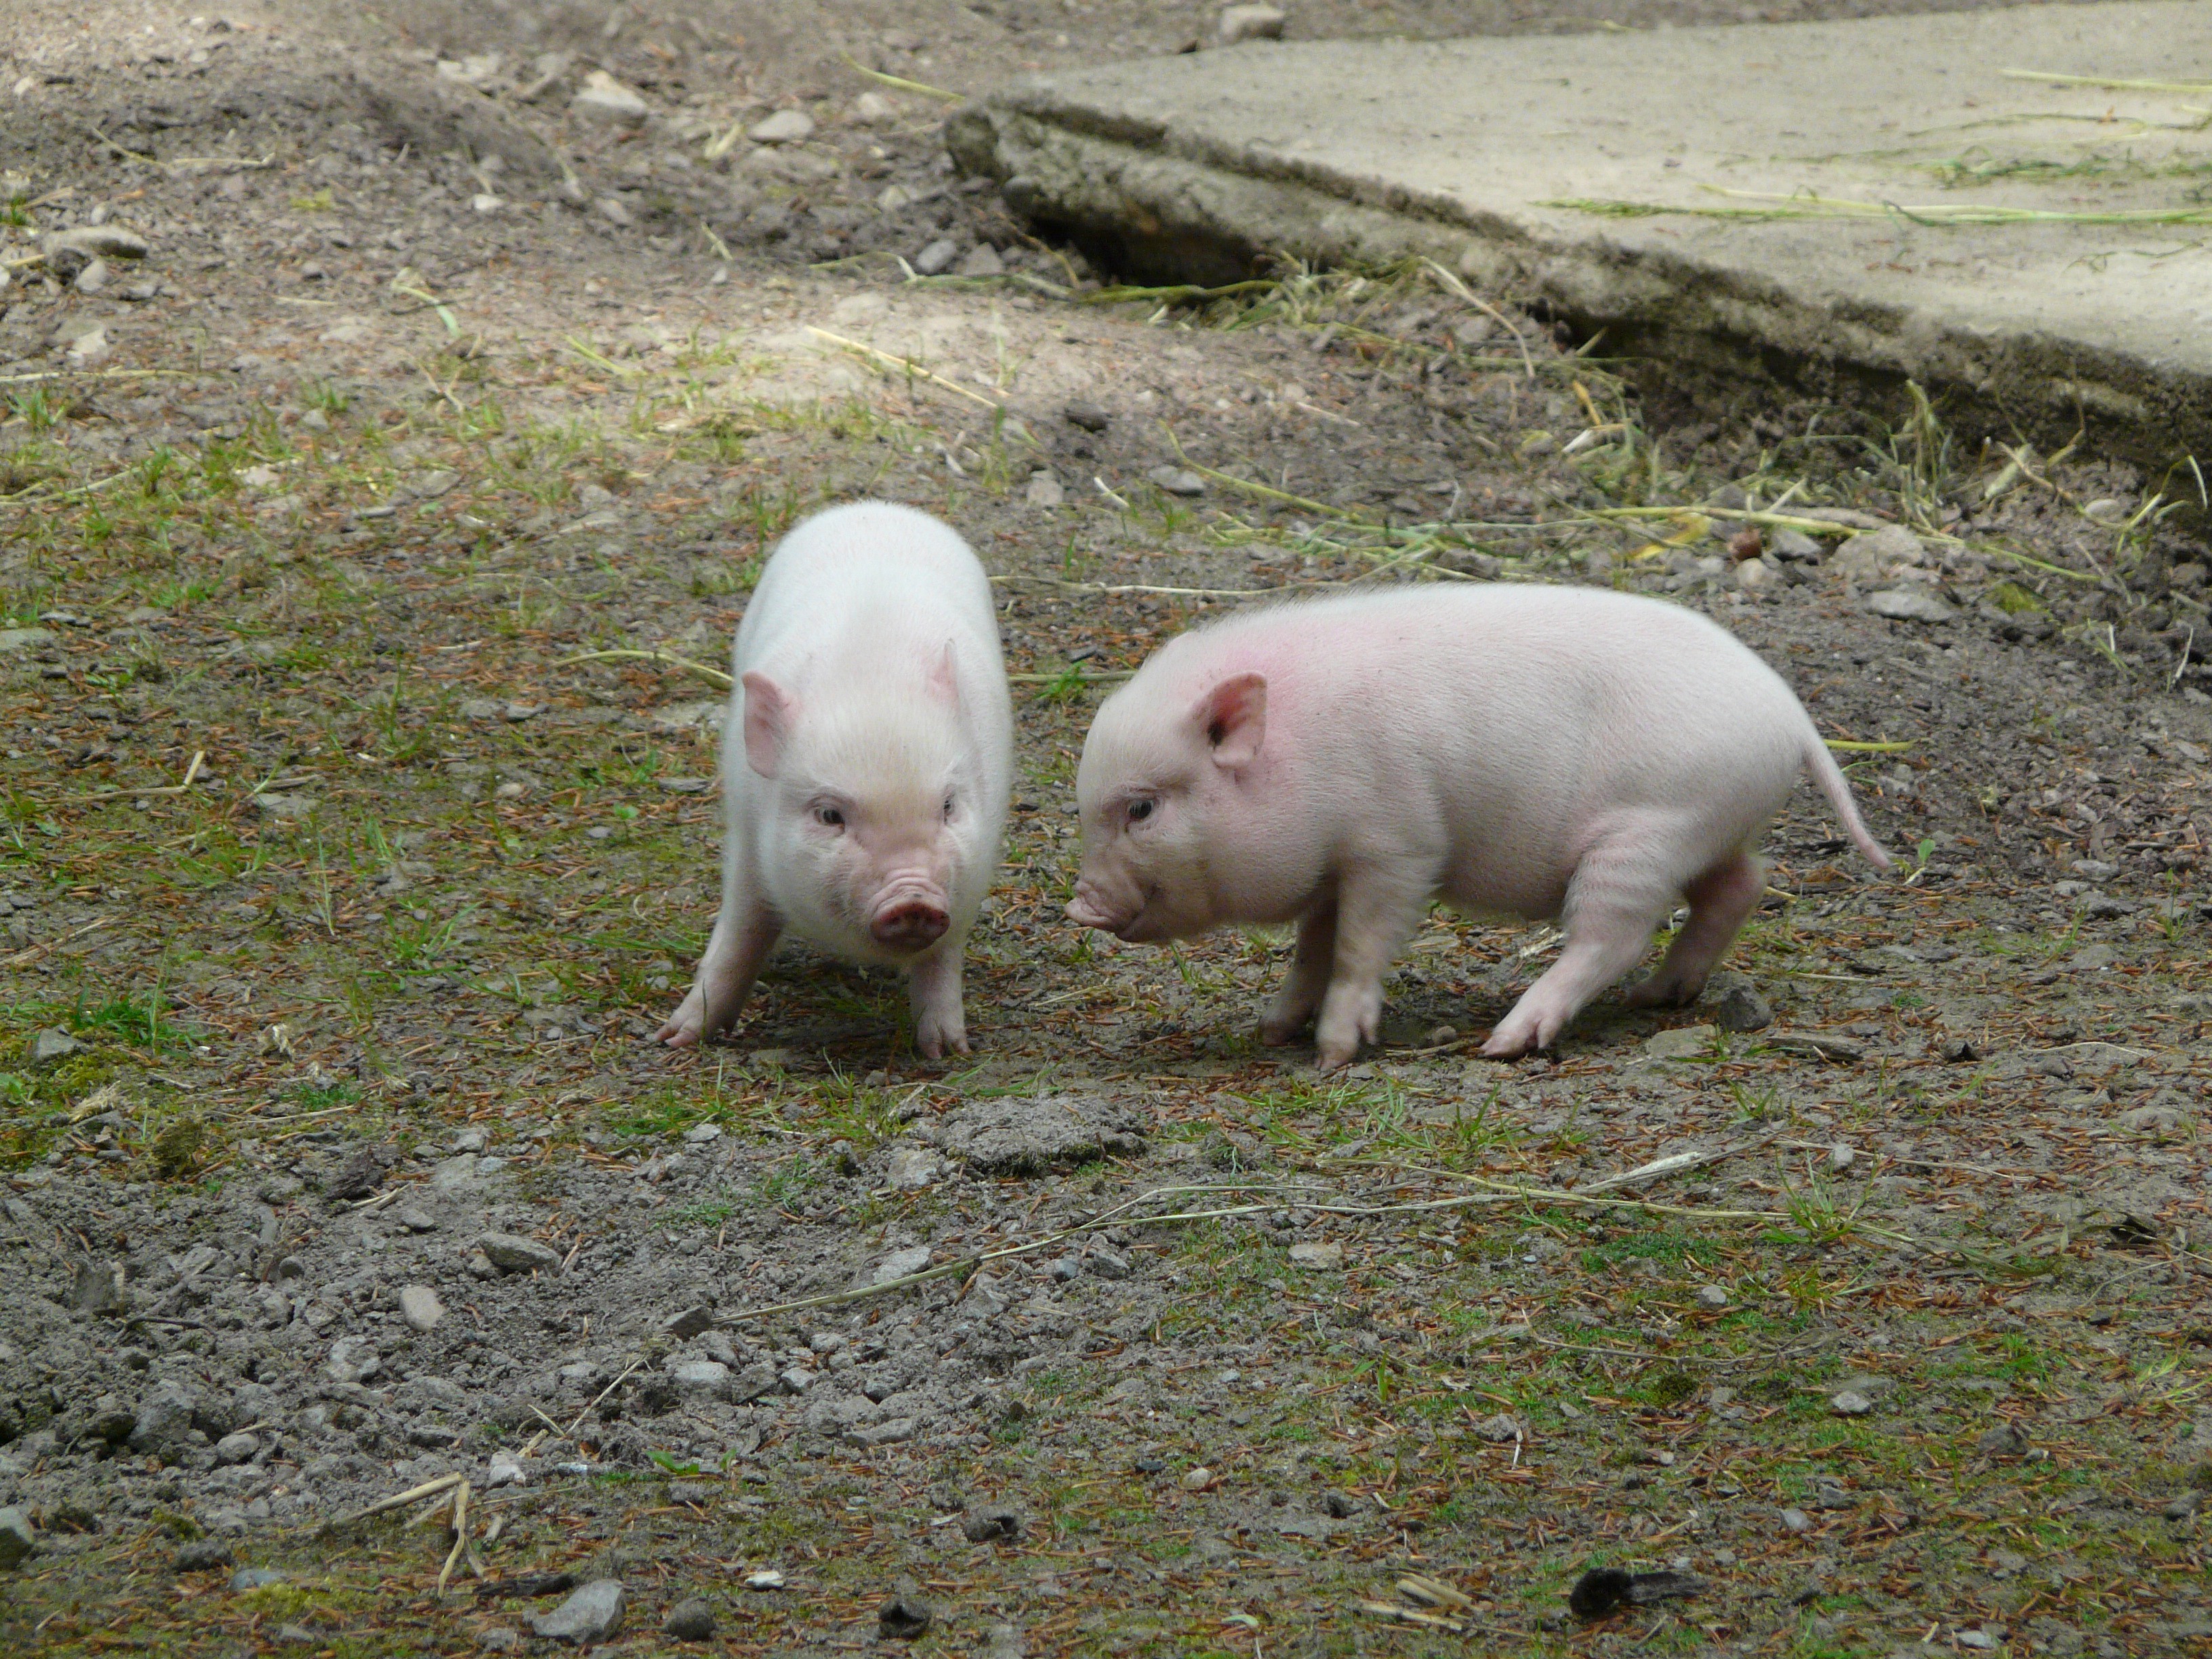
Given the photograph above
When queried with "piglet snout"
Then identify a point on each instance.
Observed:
(909, 921)
(1086, 911)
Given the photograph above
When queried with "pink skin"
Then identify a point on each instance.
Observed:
(866, 764)
(1531, 752)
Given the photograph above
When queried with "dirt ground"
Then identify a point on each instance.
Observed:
(369, 550)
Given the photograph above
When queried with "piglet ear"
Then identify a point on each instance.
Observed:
(944, 677)
(769, 710)
(1234, 717)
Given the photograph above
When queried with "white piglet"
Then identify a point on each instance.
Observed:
(866, 762)
(1520, 750)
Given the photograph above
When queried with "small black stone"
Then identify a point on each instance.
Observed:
(904, 1617)
(1598, 1592)
(1090, 416)
(1602, 1590)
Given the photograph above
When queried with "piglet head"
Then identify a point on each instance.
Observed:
(876, 823)
(1157, 792)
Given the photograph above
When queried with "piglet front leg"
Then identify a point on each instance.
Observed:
(941, 1021)
(1304, 986)
(1377, 911)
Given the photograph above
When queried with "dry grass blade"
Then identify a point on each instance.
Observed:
(1462, 291)
(905, 365)
(714, 677)
(1434, 1593)
(2105, 82)
(460, 1536)
(398, 1500)
(1406, 1615)
(899, 84)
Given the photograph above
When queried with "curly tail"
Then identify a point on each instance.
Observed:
(1830, 776)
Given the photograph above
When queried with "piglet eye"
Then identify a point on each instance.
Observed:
(950, 803)
(1139, 811)
(830, 817)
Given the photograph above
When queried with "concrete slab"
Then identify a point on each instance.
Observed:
(1840, 206)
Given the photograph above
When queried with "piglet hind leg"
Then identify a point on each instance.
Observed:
(940, 1021)
(744, 934)
(1721, 901)
(1307, 981)
(1614, 904)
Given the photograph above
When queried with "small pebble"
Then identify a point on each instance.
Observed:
(690, 1620)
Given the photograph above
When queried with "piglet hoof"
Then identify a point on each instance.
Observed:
(1275, 1032)
(931, 1041)
(684, 1026)
(1659, 992)
(1511, 1040)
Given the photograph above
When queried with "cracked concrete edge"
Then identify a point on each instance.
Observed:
(1705, 339)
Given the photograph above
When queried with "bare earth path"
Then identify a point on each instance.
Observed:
(357, 546)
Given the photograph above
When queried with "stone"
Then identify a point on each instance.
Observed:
(248, 1579)
(1188, 152)
(68, 252)
(1796, 1521)
(94, 277)
(1793, 545)
(936, 258)
(982, 260)
(891, 1431)
(690, 1620)
(2005, 1439)
(164, 1423)
(899, 1264)
(700, 1379)
(18, 1542)
(96, 1288)
(1913, 603)
(1850, 1402)
(1107, 1264)
(1197, 1478)
(1499, 1429)
(13, 640)
(1712, 1297)
(1178, 480)
(912, 1169)
(1877, 554)
(203, 1555)
(904, 1616)
(872, 109)
(1740, 1008)
(1756, 575)
(996, 1524)
(512, 1254)
(603, 98)
(691, 1323)
(504, 1469)
(1035, 1135)
(420, 1307)
(1251, 22)
(238, 1447)
(1321, 1258)
(592, 1615)
(51, 1045)
(1090, 416)
(1682, 1042)
(786, 126)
